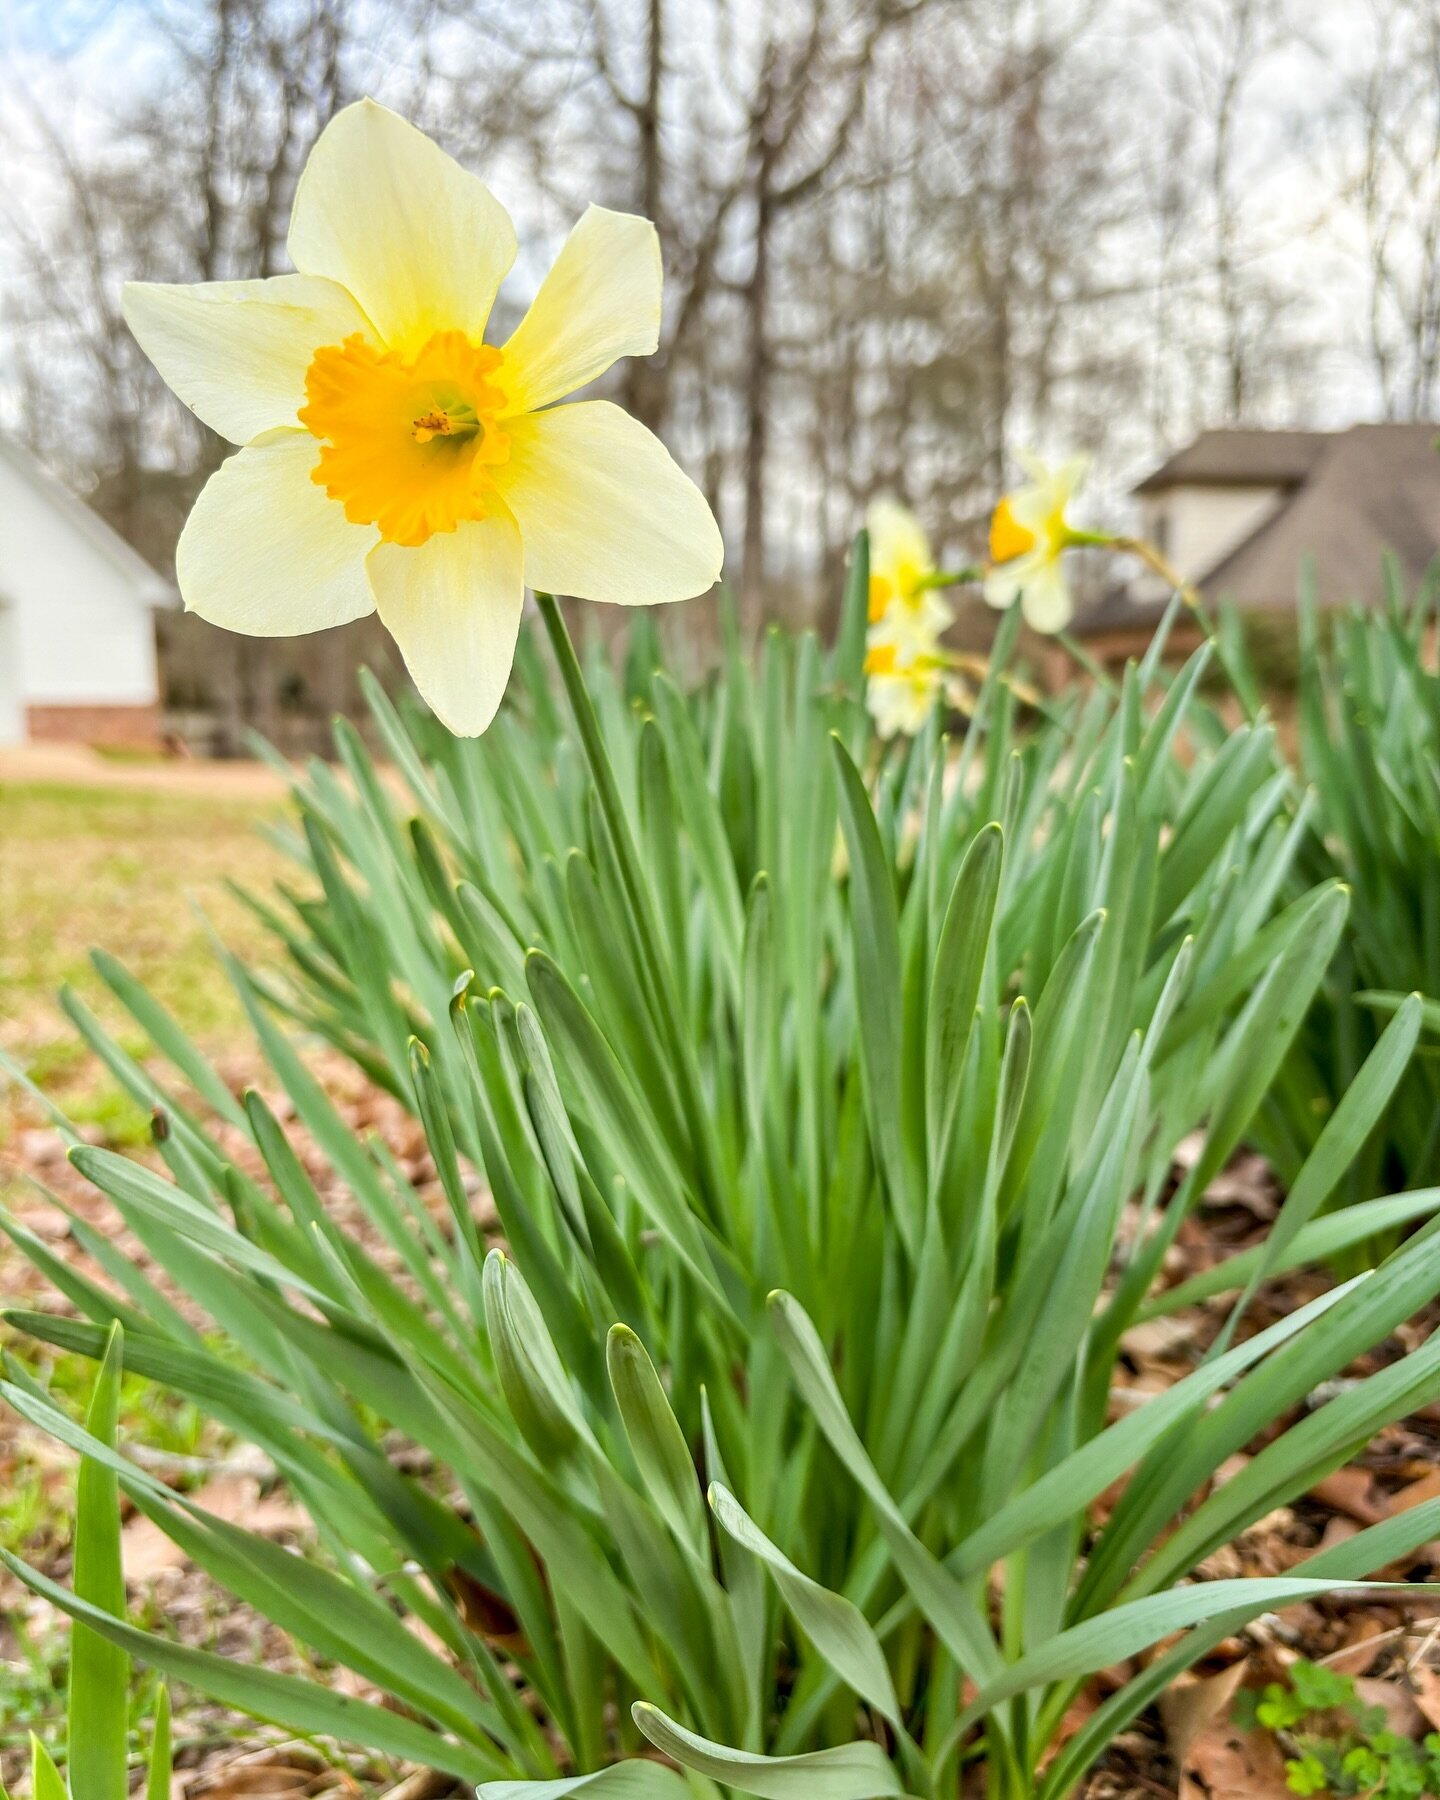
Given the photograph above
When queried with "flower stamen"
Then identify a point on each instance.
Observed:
(452, 422)
(407, 442)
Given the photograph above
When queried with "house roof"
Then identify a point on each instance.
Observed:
(1368, 490)
(151, 589)
(1241, 458)
(1376, 488)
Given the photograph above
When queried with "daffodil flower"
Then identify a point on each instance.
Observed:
(906, 667)
(903, 577)
(903, 686)
(900, 690)
(392, 459)
(1029, 535)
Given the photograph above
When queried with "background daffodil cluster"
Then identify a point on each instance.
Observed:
(907, 670)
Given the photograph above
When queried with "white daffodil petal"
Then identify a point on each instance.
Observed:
(911, 627)
(604, 511)
(600, 301)
(1066, 477)
(1004, 586)
(897, 538)
(265, 553)
(236, 352)
(420, 242)
(1045, 600)
(900, 703)
(936, 613)
(1033, 507)
(453, 606)
(886, 705)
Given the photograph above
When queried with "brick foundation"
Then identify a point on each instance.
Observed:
(114, 727)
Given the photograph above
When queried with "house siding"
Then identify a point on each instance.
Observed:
(1197, 525)
(80, 630)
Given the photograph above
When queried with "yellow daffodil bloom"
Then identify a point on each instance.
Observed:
(902, 570)
(901, 690)
(393, 460)
(1029, 534)
(904, 684)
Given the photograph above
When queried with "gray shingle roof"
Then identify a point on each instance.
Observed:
(1375, 488)
(1241, 458)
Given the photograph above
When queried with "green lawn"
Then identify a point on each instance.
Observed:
(131, 871)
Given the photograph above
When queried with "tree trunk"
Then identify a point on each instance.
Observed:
(757, 407)
(645, 375)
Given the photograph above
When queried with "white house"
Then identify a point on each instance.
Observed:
(77, 635)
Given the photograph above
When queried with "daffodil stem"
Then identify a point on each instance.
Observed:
(943, 578)
(646, 934)
(1168, 573)
(1151, 557)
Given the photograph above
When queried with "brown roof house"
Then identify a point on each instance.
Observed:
(1238, 512)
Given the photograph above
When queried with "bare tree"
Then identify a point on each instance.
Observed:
(1393, 95)
(1221, 52)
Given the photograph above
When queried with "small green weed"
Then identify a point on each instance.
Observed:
(1339, 1745)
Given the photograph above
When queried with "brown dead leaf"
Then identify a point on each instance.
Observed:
(289, 1773)
(1365, 1637)
(1402, 1712)
(229, 1497)
(487, 1613)
(1188, 1151)
(1230, 1764)
(1351, 1490)
(147, 1552)
(46, 1221)
(1415, 1494)
(275, 1516)
(236, 1499)
(1160, 1337)
(1214, 1759)
(244, 1781)
(248, 1782)
(1247, 1182)
(1427, 1693)
(1191, 1705)
(352, 1685)
(1338, 1530)
(424, 1784)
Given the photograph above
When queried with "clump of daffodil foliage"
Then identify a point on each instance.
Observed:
(828, 1095)
(1368, 729)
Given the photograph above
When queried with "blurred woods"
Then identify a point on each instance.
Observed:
(900, 236)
